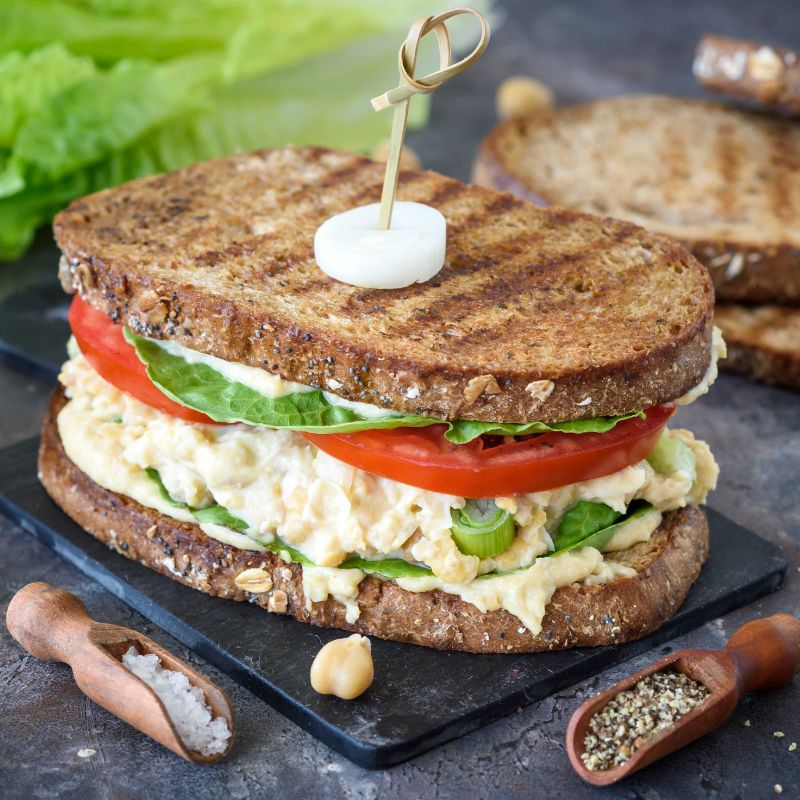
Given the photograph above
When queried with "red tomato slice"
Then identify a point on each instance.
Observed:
(104, 347)
(423, 457)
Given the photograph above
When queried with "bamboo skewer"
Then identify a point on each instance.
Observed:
(401, 95)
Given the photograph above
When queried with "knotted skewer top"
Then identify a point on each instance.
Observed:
(400, 96)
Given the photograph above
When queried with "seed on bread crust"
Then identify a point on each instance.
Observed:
(482, 384)
(278, 602)
(540, 390)
(254, 580)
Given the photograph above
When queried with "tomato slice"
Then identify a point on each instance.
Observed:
(422, 457)
(103, 345)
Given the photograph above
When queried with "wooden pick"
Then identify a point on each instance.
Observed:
(400, 96)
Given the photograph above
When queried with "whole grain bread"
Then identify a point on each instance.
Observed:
(578, 615)
(219, 257)
(753, 71)
(724, 181)
(763, 342)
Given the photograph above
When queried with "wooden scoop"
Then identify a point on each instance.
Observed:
(762, 654)
(54, 625)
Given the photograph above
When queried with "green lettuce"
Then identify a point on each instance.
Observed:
(28, 81)
(465, 430)
(387, 567)
(589, 524)
(215, 513)
(202, 388)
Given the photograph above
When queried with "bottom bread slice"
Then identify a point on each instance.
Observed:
(577, 615)
(763, 342)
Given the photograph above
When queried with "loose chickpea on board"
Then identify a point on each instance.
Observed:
(344, 667)
(520, 95)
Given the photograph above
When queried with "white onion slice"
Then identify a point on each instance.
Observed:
(350, 248)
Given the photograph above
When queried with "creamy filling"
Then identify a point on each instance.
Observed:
(283, 486)
(718, 351)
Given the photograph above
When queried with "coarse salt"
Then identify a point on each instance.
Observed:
(186, 704)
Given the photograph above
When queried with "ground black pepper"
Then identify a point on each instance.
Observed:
(622, 726)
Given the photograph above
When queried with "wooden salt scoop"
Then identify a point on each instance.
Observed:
(762, 654)
(54, 625)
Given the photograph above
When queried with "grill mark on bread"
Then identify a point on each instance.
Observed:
(728, 158)
(785, 165)
(446, 193)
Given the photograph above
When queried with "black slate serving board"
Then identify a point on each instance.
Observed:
(421, 698)
(34, 329)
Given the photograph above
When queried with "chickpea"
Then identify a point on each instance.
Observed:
(408, 158)
(520, 96)
(343, 667)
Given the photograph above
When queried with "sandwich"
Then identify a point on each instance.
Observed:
(723, 181)
(480, 462)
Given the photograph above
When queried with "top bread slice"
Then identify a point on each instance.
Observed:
(724, 181)
(752, 71)
(538, 314)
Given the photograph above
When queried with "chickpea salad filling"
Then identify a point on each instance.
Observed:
(273, 489)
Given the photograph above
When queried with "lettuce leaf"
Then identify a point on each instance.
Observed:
(28, 82)
(215, 513)
(388, 567)
(588, 524)
(465, 430)
(202, 388)
(97, 116)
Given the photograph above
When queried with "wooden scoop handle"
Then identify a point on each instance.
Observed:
(766, 652)
(49, 623)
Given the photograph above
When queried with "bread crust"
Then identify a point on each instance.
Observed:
(749, 70)
(755, 271)
(763, 343)
(577, 616)
(219, 257)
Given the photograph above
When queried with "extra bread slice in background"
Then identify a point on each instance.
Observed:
(724, 181)
(763, 342)
(219, 256)
(752, 71)
(578, 615)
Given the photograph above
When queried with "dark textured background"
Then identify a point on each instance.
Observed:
(582, 50)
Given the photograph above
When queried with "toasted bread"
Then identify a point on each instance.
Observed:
(219, 256)
(763, 342)
(578, 615)
(752, 71)
(725, 182)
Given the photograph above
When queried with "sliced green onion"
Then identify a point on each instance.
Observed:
(482, 529)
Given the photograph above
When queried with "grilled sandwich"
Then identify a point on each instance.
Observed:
(480, 462)
(723, 181)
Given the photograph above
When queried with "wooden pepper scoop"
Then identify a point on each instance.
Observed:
(54, 625)
(762, 654)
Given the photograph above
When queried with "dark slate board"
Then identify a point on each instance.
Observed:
(33, 330)
(422, 697)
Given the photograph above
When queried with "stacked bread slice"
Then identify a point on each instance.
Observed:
(724, 181)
